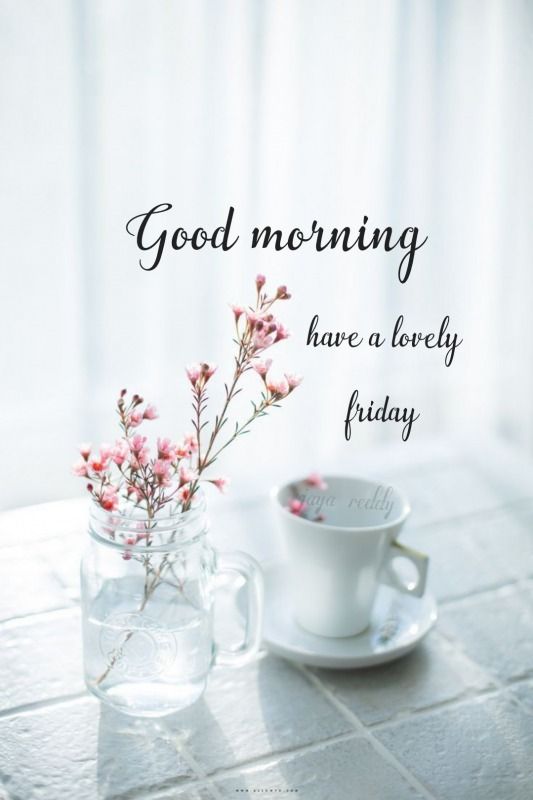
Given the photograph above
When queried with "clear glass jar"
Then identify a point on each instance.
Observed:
(147, 588)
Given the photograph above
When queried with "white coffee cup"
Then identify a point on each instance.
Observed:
(335, 565)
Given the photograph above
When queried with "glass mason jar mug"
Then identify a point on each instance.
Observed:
(147, 587)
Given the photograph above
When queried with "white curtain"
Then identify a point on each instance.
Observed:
(412, 113)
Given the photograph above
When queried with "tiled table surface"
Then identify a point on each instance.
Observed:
(452, 720)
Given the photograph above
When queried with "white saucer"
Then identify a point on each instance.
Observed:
(399, 622)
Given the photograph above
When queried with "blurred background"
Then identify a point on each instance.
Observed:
(412, 113)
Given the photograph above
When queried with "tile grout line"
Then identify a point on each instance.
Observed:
(457, 702)
(468, 696)
(524, 582)
(69, 603)
(504, 589)
(458, 650)
(501, 685)
(16, 623)
(265, 760)
(38, 705)
(281, 755)
(200, 773)
(497, 688)
(366, 733)
(467, 515)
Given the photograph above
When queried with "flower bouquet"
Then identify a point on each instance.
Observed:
(147, 615)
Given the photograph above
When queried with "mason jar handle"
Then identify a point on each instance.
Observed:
(391, 578)
(246, 567)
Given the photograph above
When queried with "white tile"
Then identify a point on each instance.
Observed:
(41, 658)
(456, 567)
(522, 693)
(480, 750)
(33, 524)
(434, 673)
(452, 490)
(265, 707)
(76, 750)
(494, 630)
(28, 585)
(64, 557)
(347, 770)
(45, 754)
(477, 553)
(187, 793)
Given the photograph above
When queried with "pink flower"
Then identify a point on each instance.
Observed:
(265, 329)
(137, 443)
(191, 443)
(98, 465)
(80, 469)
(193, 373)
(199, 374)
(262, 338)
(281, 333)
(262, 367)
(186, 475)
(150, 412)
(162, 472)
(120, 452)
(126, 555)
(141, 477)
(279, 388)
(139, 450)
(109, 498)
(135, 490)
(293, 381)
(316, 480)
(221, 484)
(135, 418)
(85, 451)
(105, 452)
(238, 311)
(262, 321)
(184, 494)
(187, 447)
(166, 450)
(296, 507)
(208, 370)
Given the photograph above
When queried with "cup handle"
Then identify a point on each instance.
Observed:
(390, 577)
(246, 567)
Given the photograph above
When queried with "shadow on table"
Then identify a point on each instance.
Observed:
(237, 721)
(136, 754)
(281, 775)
